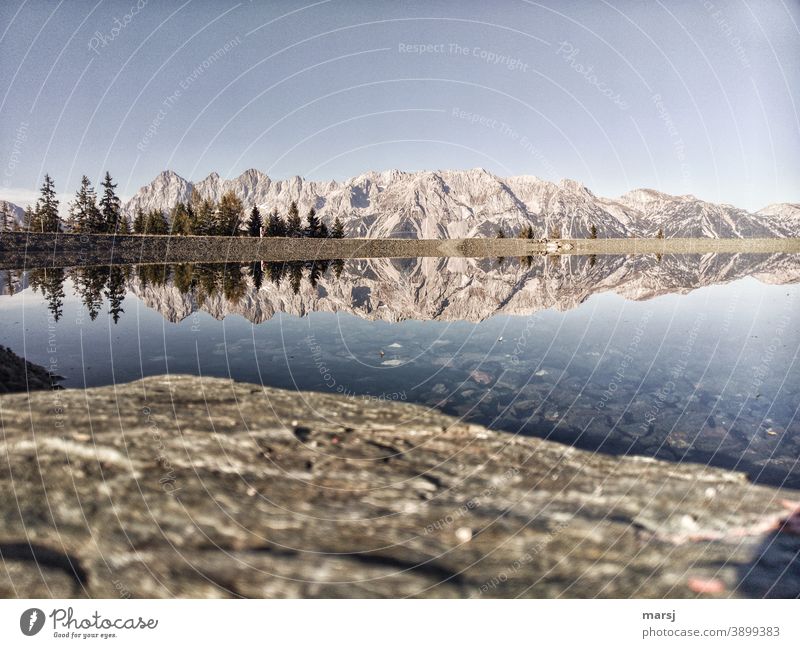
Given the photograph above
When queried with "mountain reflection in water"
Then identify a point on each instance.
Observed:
(683, 357)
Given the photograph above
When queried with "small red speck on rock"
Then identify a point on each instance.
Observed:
(706, 585)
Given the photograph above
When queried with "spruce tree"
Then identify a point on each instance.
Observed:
(156, 223)
(6, 220)
(83, 212)
(192, 218)
(139, 222)
(255, 222)
(205, 218)
(593, 232)
(312, 227)
(29, 220)
(294, 226)
(115, 292)
(275, 225)
(338, 228)
(110, 208)
(46, 217)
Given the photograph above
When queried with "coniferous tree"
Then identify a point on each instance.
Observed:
(183, 277)
(295, 276)
(6, 219)
(294, 226)
(50, 282)
(323, 230)
(312, 228)
(234, 284)
(46, 217)
(660, 233)
(139, 222)
(29, 220)
(501, 232)
(192, 217)
(338, 228)
(115, 292)
(84, 215)
(229, 215)
(89, 283)
(275, 225)
(205, 218)
(156, 223)
(526, 232)
(254, 223)
(256, 271)
(314, 273)
(181, 225)
(110, 208)
(275, 272)
(593, 232)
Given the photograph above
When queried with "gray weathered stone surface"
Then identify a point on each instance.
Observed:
(177, 486)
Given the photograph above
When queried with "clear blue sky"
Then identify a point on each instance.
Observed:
(697, 96)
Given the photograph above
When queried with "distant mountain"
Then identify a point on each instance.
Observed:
(16, 213)
(468, 289)
(455, 204)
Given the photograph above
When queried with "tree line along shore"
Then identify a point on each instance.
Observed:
(89, 214)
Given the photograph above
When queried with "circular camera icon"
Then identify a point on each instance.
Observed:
(31, 621)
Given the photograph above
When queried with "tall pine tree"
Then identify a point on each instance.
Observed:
(139, 221)
(312, 228)
(156, 223)
(275, 225)
(29, 220)
(110, 208)
(84, 215)
(45, 218)
(294, 226)
(338, 228)
(255, 222)
(6, 219)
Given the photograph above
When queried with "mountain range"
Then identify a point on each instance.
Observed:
(474, 202)
(470, 203)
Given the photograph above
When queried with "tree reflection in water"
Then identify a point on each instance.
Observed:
(202, 281)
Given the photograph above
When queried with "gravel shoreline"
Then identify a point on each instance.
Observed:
(20, 249)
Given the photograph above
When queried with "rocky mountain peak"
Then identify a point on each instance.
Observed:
(474, 202)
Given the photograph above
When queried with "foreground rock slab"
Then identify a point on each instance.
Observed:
(178, 486)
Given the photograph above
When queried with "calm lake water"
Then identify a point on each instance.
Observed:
(682, 358)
